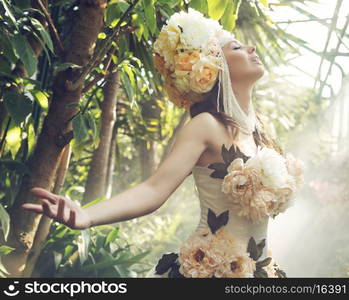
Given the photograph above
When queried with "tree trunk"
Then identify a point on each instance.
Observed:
(111, 164)
(45, 222)
(54, 135)
(97, 175)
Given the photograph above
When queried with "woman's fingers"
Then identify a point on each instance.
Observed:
(42, 193)
(47, 209)
(72, 217)
(60, 209)
(33, 207)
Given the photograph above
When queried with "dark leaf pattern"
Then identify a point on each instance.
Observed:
(216, 222)
(264, 262)
(165, 262)
(228, 155)
(174, 272)
(280, 273)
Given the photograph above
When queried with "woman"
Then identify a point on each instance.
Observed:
(224, 146)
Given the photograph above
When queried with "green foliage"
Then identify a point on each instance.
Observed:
(4, 250)
(149, 13)
(18, 105)
(216, 8)
(94, 252)
(5, 222)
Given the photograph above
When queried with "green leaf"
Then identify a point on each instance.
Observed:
(230, 15)
(3, 270)
(113, 13)
(149, 12)
(112, 235)
(127, 86)
(13, 139)
(9, 12)
(63, 66)
(6, 249)
(199, 5)
(44, 34)
(90, 121)
(83, 243)
(18, 105)
(40, 98)
(216, 8)
(5, 225)
(137, 21)
(79, 128)
(25, 53)
(22, 4)
(6, 46)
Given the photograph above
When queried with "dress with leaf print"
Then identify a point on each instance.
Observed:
(237, 198)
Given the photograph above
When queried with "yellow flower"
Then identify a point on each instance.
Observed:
(184, 61)
(204, 75)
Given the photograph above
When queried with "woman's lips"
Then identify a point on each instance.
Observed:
(256, 60)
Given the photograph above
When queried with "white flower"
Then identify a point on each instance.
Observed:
(272, 166)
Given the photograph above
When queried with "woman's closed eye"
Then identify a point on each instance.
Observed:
(236, 48)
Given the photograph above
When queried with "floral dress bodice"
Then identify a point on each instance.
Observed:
(237, 196)
(211, 197)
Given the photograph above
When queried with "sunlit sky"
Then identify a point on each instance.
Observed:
(316, 35)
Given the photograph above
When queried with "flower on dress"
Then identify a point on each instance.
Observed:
(240, 182)
(236, 262)
(264, 185)
(271, 165)
(196, 257)
(206, 255)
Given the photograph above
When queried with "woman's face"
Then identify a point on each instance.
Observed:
(244, 64)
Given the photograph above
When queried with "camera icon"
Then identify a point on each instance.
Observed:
(12, 289)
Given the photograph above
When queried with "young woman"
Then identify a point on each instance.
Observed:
(224, 146)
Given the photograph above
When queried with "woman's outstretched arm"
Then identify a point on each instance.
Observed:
(141, 199)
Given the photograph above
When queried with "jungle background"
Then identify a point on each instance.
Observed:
(83, 113)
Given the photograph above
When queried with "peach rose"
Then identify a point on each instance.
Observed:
(184, 61)
(235, 261)
(203, 75)
(240, 266)
(196, 257)
(240, 182)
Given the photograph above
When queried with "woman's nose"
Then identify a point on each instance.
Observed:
(252, 49)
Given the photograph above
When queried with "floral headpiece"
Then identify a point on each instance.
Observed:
(188, 53)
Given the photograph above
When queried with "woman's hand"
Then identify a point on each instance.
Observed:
(59, 208)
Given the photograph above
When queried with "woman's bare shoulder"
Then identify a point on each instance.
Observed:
(207, 119)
